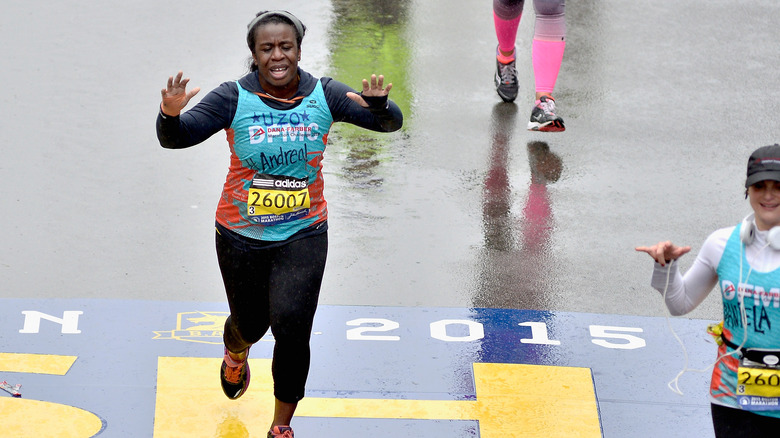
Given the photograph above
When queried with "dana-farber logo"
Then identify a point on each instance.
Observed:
(283, 133)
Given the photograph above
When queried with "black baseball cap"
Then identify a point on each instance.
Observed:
(763, 164)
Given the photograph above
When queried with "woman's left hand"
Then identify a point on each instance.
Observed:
(375, 88)
(664, 252)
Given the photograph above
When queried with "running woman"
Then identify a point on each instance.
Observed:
(271, 220)
(744, 260)
(547, 47)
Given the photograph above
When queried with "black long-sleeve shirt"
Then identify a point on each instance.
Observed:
(216, 110)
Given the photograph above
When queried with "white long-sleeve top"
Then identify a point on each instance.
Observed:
(685, 292)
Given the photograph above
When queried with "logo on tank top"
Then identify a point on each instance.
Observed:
(282, 127)
(760, 296)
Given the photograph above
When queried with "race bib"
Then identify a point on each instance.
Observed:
(758, 386)
(275, 199)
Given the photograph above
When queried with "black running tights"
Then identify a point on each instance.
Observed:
(737, 423)
(275, 287)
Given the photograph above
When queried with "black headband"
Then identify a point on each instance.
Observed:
(296, 22)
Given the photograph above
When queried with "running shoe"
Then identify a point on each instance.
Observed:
(234, 376)
(281, 432)
(543, 117)
(506, 80)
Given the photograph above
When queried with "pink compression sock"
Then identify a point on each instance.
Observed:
(547, 57)
(506, 31)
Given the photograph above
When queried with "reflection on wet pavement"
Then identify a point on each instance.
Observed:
(517, 254)
(455, 210)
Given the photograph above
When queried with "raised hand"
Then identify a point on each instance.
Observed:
(175, 96)
(375, 88)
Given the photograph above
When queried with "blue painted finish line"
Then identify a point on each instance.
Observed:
(365, 352)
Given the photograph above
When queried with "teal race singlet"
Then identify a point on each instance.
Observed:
(735, 383)
(274, 186)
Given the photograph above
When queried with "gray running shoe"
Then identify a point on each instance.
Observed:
(543, 117)
(506, 81)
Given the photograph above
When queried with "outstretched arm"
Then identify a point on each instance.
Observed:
(685, 293)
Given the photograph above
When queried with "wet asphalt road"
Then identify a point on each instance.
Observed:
(663, 102)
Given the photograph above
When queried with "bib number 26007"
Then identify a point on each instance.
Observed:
(276, 199)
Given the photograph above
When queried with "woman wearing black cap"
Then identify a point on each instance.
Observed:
(271, 220)
(744, 260)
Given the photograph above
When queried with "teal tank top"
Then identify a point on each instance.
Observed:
(274, 186)
(761, 292)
